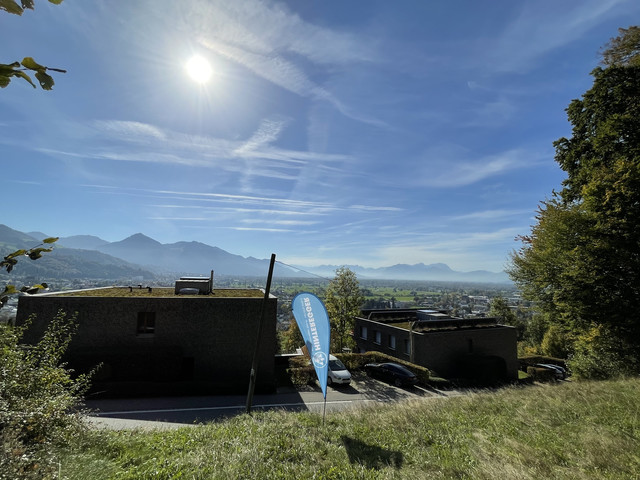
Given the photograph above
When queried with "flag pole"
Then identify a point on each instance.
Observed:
(324, 409)
(254, 363)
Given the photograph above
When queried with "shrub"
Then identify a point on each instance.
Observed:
(556, 342)
(599, 354)
(39, 399)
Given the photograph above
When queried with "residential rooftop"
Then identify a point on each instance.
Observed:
(426, 320)
(143, 291)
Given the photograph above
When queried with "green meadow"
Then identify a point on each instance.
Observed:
(571, 430)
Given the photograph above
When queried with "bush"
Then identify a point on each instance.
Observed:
(39, 399)
(599, 355)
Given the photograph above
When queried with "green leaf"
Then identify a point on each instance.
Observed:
(55, 2)
(50, 240)
(17, 253)
(8, 262)
(8, 67)
(4, 80)
(9, 289)
(21, 74)
(11, 7)
(46, 81)
(31, 64)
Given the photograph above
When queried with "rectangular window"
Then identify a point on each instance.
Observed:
(146, 323)
(378, 339)
(363, 332)
(392, 342)
(407, 346)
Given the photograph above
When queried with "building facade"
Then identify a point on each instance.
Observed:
(153, 340)
(477, 349)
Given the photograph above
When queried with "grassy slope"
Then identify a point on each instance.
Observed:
(566, 431)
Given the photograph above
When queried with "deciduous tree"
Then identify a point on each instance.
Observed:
(343, 300)
(581, 261)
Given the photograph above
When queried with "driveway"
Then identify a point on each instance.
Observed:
(175, 412)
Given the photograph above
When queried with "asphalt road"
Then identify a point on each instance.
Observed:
(175, 412)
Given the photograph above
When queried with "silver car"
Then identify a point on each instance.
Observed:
(338, 373)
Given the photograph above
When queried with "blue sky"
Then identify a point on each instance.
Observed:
(337, 132)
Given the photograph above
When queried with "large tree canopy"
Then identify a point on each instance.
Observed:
(581, 262)
(623, 49)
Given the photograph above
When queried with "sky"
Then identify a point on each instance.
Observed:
(361, 132)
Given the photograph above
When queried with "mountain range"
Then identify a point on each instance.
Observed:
(139, 256)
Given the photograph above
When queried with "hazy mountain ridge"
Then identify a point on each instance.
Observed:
(142, 256)
(419, 271)
(67, 263)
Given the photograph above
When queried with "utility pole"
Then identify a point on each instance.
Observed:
(254, 363)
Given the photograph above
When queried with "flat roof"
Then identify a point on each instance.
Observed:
(151, 292)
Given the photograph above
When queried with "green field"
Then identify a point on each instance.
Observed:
(572, 430)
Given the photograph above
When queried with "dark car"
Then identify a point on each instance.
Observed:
(559, 372)
(392, 373)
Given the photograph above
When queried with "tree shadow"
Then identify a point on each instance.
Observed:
(371, 456)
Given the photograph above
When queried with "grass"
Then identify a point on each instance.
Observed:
(567, 431)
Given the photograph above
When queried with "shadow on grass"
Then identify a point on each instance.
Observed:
(371, 456)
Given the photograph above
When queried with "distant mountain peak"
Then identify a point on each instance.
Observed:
(138, 239)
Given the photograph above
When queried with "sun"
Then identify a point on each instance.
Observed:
(199, 69)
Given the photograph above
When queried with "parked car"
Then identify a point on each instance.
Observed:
(559, 372)
(392, 373)
(337, 373)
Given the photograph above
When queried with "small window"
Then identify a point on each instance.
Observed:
(146, 323)
(407, 346)
(378, 339)
(363, 332)
(392, 342)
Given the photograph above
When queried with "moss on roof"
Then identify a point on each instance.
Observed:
(159, 292)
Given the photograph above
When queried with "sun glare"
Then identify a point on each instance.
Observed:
(199, 69)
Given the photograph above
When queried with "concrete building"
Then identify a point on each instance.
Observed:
(478, 349)
(154, 341)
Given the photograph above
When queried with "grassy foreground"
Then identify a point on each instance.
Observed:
(577, 430)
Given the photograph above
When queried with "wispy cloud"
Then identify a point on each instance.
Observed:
(451, 166)
(489, 215)
(268, 132)
(278, 46)
(542, 28)
(126, 141)
(243, 203)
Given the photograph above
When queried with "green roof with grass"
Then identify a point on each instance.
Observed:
(160, 292)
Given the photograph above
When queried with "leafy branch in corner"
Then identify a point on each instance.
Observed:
(11, 260)
(18, 69)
